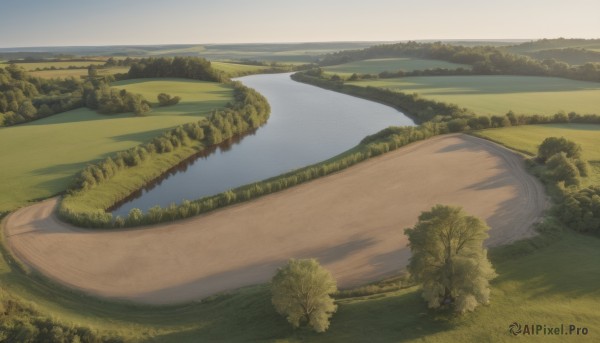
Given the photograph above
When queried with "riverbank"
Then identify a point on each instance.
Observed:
(359, 239)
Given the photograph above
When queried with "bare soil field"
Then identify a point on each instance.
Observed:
(352, 221)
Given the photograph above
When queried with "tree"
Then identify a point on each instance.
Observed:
(563, 169)
(92, 71)
(27, 109)
(554, 145)
(165, 99)
(301, 292)
(449, 260)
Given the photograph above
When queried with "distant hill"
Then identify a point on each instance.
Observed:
(572, 51)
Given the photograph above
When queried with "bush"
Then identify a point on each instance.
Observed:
(581, 210)
(554, 145)
(166, 100)
(562, 169)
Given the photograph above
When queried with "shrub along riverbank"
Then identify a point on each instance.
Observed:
(93, 190)
(86, 203)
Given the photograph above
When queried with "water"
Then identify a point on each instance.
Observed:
(307, 125)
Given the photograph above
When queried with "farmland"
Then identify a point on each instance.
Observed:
(545, 278)
(376, 66)
(38, 162)
(76, 73)
(203, 278)
(58, 64)
(498, 94)
(247, 239)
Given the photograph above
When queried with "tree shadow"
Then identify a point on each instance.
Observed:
(465, 145)
(253, 273)
(568, 267)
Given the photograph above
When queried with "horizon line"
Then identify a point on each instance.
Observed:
(299, 42)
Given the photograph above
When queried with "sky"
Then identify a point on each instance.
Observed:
(141, 22)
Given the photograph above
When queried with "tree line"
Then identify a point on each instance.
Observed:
(99, 95)
(22, 323)
(249, 110)
(578, 208)
(423, 110)
(486, 60)
(396, 138)
(436, 118)
(195, 68)
(24, 98)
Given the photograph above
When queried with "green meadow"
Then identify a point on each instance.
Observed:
(498, 94)
(236, 69)
(376, 66)
(39, 158)
(58, 64)
(527, 139)
(76, 73)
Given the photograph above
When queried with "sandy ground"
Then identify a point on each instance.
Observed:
(351, 221)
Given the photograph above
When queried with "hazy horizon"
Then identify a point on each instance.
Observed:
(296, 42)
(64, 23)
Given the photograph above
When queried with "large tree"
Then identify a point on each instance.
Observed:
(301, 292)
(449, 260)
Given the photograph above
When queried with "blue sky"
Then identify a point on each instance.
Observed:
(108, 22)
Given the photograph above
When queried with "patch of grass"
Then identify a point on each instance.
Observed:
(236, 69)
(58, 64)
(39, 158)
(527, 139)
(494, 95)
(376, 66)
(76, 73)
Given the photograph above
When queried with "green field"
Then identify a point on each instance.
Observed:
(76, 73)
(527, 139)
(39, 158)
(376, 66)
(488, 95)
(236, 69)
(60, 64)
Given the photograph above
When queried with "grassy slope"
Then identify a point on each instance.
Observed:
(77, 73)
(376, 66)
(41, 65)
(499, 94)
(39, 158)
(235, 69)
(528, 138)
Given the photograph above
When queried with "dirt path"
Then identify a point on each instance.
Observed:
(351, 221)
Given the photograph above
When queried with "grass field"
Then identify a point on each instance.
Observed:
(376, 66)
(236, 69)
(76, 73)
(60, 64)
(488, 95)
(39, 158)
(527, 139)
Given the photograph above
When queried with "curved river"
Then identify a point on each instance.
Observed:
(307, 125)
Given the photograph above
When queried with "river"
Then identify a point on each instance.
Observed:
(307, 125)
